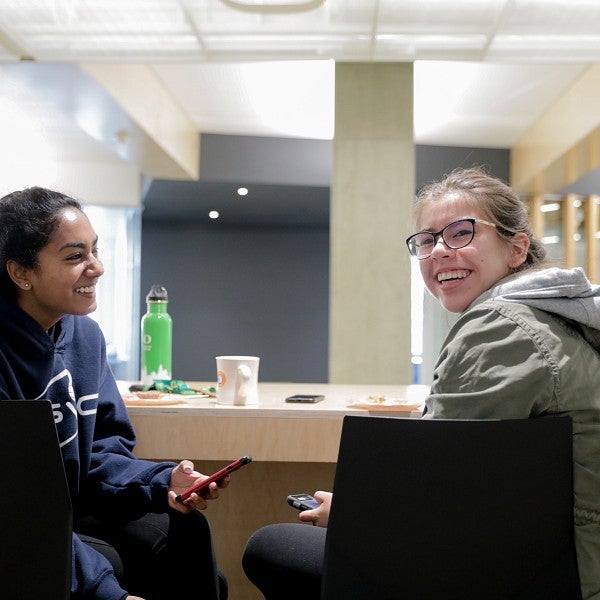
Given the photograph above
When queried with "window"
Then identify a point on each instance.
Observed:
(119, 246)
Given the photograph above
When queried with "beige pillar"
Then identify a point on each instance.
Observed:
(372, 188)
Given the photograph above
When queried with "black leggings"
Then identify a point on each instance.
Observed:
(160, 556)
(285, 561)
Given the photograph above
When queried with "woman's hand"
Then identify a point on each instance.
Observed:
(318, 516)
(183, 477)
(133, 598)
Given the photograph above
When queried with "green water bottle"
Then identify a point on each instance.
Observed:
(157, 334)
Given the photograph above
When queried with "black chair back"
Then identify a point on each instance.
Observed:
(35, 507)
(430, 509)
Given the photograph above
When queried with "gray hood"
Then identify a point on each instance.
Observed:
(564, 292)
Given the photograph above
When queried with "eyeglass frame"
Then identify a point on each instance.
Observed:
(440, 233)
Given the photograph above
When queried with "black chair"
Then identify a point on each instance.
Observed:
(35, 507)
(469, 510)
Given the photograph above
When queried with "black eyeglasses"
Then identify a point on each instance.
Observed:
(457, 234)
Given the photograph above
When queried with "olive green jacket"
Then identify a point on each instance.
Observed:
(529, 347)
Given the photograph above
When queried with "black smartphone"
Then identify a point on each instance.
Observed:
(305, 398)
(302, 501)
(234, 466)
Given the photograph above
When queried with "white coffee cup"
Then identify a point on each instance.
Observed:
(237, 380)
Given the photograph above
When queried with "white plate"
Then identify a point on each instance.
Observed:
(132, 399)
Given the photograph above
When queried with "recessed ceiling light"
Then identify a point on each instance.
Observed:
(242, 191)
(213, 214)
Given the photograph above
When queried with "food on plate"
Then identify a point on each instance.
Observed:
(149, 394)
(383, 402)
(379, 399)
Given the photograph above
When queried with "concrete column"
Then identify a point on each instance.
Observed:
(372, 189)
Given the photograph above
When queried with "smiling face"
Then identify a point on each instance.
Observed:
(64, 281)
(457, 277)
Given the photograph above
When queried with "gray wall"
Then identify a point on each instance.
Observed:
(433, 162)
(259, 290)
(265, 160)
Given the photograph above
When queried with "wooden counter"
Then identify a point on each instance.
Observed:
(271, 431)
(293, 446)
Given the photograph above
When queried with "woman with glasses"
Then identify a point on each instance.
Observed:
(526, 345)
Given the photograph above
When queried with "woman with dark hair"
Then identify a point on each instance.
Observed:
(50, 349)
(526, 345)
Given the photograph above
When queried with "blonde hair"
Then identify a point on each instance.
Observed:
(493, 198)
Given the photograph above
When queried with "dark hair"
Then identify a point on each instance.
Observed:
(28, 218)
(496, 200)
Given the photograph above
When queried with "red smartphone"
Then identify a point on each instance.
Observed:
(220, 474)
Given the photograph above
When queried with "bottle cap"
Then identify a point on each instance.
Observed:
(157, 293)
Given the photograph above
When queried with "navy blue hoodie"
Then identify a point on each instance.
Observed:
(95, 434)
